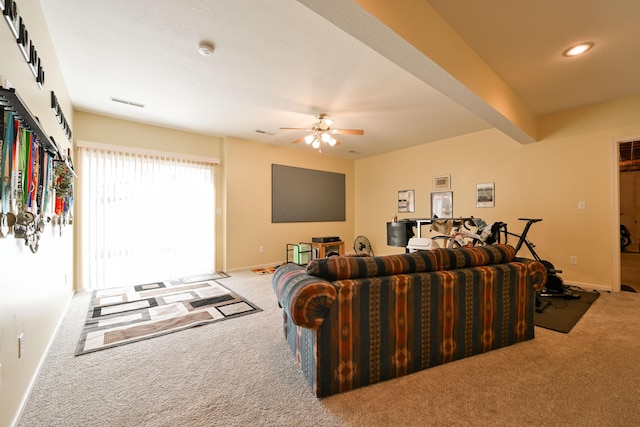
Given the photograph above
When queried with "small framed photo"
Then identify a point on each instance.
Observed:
(406, 201)
(442, 182)
(485, 195)
(442, 204)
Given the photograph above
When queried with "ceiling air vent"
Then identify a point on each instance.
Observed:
(124, 101)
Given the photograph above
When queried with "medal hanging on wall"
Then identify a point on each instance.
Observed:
(5, 170)
(39, 192)
(63, 185)
(32, 184)
(32, 237)
(24, 218)
(8, 215)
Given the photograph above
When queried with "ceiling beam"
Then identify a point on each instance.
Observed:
(414, 37)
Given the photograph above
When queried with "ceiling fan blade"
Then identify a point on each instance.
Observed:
(298, 140)
(348, 131)
(308, 130)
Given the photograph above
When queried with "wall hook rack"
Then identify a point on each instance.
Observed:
(10, 100)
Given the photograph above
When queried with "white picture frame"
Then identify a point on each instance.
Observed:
(406, 201)
(442, 182)
(485, 195)
(442, 204)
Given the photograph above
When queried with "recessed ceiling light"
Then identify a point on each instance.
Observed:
(578, 49)
(205, 48)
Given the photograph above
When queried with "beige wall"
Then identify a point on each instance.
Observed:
(34, 288)
(247, 213)
(574, 161)
(109, 130)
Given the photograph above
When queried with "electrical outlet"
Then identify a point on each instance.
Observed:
(20, 346)
(261, 249)
(582, 205)
(573, 260)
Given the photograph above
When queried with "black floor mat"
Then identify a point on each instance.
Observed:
(563, 313)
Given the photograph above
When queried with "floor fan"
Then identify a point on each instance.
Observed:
(362, 246)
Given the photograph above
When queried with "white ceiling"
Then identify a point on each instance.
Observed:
(277, 63)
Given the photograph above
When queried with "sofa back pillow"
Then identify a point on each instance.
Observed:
(450, 259)
(346, 267)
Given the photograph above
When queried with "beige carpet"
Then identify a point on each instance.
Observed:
(241, 373)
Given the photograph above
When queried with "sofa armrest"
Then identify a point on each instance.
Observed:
(305, 299)
(537, 272)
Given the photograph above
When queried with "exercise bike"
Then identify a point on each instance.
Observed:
(554, 286)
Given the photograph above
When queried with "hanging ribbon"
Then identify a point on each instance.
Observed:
(48, 186)
(42, 170)
(28, 183)
(5, 171)
(16, 177)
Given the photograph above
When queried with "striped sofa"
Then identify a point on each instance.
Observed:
(355, 321)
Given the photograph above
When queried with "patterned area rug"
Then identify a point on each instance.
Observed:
(124, 315)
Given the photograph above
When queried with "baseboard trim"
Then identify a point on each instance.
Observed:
(26, 396)
(588, 286)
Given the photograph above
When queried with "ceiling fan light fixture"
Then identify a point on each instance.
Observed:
(578, 49)
(322, 133)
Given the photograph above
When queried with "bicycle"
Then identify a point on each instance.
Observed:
(554, 286)
(483, 233)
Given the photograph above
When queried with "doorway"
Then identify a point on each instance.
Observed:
(629, 178)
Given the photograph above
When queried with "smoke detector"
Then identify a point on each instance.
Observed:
(205, 48)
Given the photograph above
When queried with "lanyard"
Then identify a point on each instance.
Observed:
(16, 177)
(32, 174)
(5, 175)
(48, 185)
(42, 170)
(24, 168)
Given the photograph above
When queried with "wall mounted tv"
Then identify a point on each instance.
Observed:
(306, 195)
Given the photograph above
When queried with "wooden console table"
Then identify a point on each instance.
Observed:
(326, 248)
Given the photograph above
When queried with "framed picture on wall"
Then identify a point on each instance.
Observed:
(485, 195)
(442, 204)
(406, 201)
(442, 182)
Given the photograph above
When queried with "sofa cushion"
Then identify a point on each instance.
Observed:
(451, 259)
(343, 267)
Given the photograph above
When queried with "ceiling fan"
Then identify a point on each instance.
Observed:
(321, 131)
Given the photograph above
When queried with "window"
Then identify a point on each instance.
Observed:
(144, 217)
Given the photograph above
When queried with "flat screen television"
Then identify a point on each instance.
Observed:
(306, 195)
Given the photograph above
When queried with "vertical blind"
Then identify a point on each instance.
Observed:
(145, 218)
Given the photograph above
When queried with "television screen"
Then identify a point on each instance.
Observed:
(306, 195)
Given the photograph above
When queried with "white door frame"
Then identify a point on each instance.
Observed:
(615, 204)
